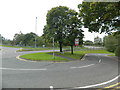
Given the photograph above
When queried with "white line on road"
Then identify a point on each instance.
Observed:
(99, 60)
(51, 87)
(89, 86)
(22, 69)
(83, 57)
(83, 66)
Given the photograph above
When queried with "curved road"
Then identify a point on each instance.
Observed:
(94, 71)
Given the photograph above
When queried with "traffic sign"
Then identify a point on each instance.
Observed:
(76, 42)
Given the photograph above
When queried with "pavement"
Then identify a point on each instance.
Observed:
(93, 71)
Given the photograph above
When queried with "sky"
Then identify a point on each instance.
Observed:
(20, 15)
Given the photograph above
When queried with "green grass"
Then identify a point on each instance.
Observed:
(93, 51)
(74, 56)
(47, 57)
(80, 54)
(111, 55)
(42, 56)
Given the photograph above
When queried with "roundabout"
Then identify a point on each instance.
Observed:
(94, 71)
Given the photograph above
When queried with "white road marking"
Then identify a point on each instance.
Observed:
(89, 86)
(83, 66)
(100, 61)
(83, 57)
(51, 87)
(43, 69)
(15, 52)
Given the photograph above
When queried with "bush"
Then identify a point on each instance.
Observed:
(117, 51)
(110, 43)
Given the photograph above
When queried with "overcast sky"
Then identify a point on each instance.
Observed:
(19, 15)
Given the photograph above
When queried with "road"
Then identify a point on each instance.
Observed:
(94, 71)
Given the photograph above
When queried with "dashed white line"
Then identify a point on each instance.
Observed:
(83, 66)
(100, 61)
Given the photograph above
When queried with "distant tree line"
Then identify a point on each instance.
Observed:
(4, 40)
(28, 39)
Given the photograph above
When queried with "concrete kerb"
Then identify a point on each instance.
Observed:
(25, 60)
(18, 57)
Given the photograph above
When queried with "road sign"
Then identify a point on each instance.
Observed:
(76, 42)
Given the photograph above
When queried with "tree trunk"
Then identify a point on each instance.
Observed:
(71, 49)
(60, 45)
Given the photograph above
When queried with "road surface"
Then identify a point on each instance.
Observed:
(94, 71)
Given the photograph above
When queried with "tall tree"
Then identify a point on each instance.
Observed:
(56, 22)
(73, 29)
(24, 39)
(18, 38)
(100, 16)
(63, 25)
(29, 39)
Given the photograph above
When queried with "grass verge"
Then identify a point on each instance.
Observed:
(111, 55)
(74, 56)
(47, 57)
(42, 57)
(80, 54)
(93, 51)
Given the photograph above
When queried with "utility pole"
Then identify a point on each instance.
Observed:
(53, 49)
(35, 31)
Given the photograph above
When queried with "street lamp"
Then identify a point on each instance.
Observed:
(53, 48)
(35, 30)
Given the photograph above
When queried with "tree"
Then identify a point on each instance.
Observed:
(56, 23)
(112, 43)
(88, 42)
(40, 41)
(24, 39)
(63, 25)
(5, 41)
(117, 50)
(97, 41)
(73, 29)
(100, 16)
(18, 38)
(29, 39)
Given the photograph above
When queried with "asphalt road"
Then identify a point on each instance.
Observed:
(95, 70)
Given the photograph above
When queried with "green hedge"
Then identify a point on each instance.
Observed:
(117, 51)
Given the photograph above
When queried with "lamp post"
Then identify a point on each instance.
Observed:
(35, 30)
(53, 48)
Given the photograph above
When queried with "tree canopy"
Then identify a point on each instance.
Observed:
(24, 39)
(56, 22)
(100, 16)
(62, 25)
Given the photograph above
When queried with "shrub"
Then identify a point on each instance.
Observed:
(117, 51)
